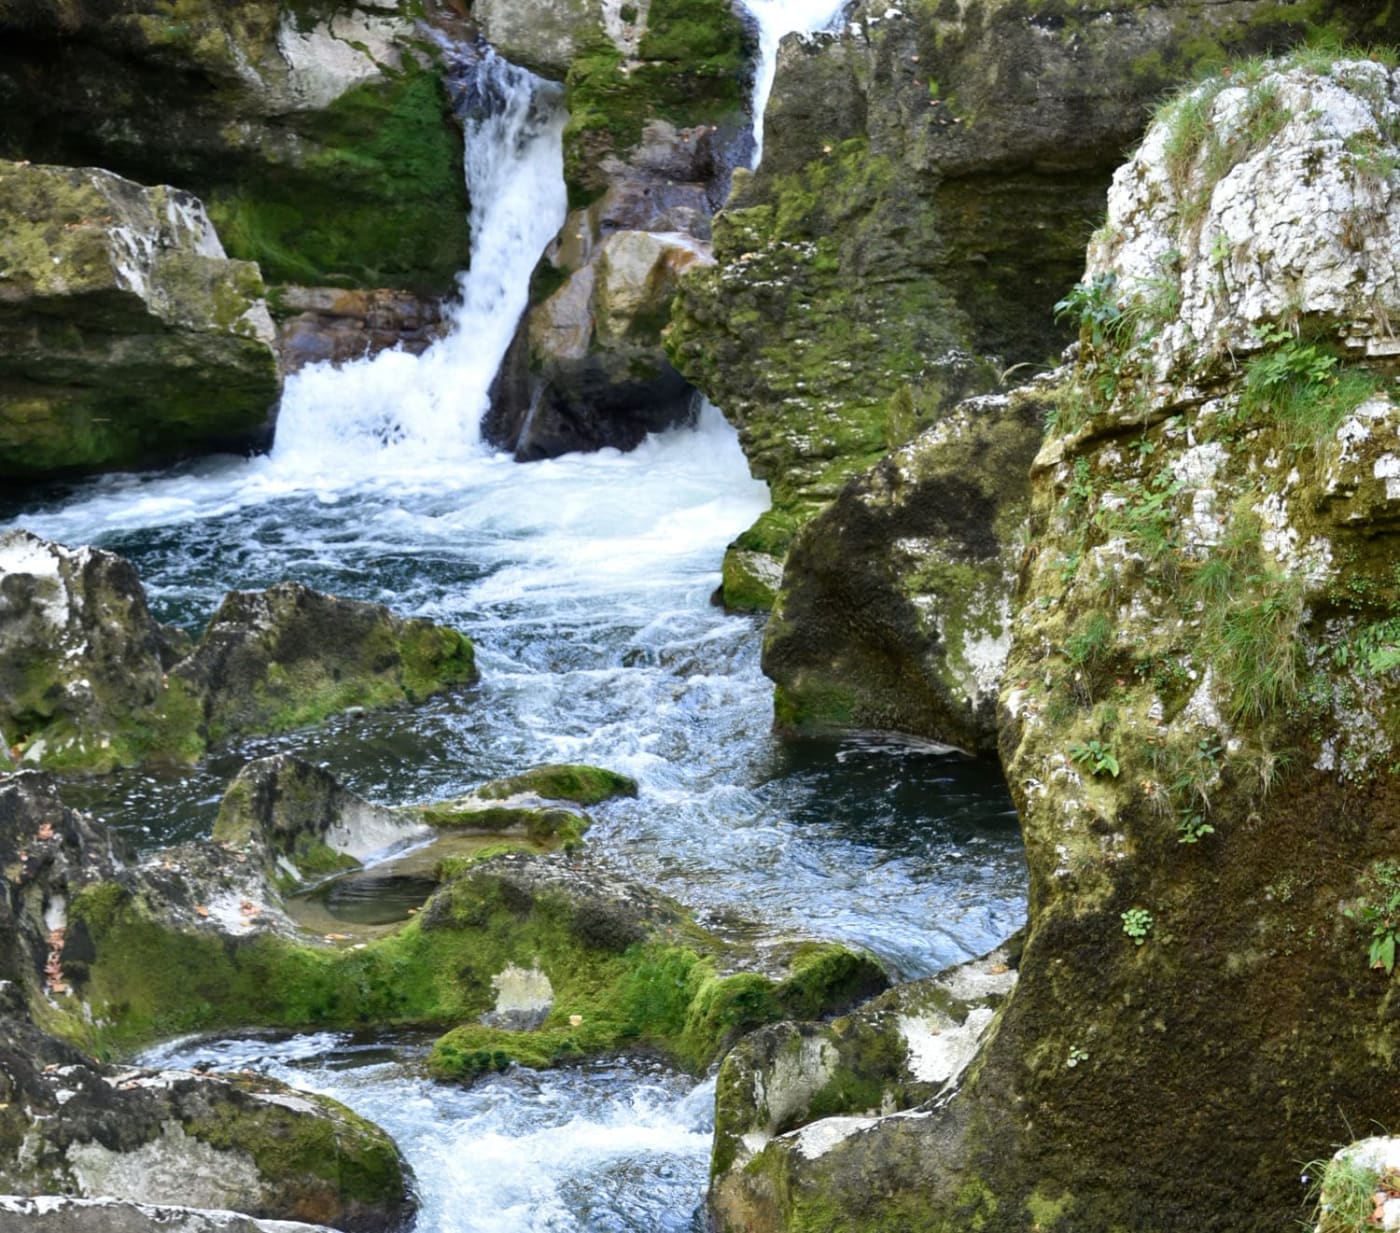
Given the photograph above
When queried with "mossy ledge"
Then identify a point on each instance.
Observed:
(627, 969)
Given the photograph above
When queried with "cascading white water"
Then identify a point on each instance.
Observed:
(420, 406)
(777, 18)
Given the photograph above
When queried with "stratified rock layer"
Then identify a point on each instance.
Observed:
(126, 335)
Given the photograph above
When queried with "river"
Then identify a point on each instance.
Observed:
(585, 583)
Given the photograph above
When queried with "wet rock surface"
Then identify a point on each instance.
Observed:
(895, 607)
(62, 1214)
(126, 335)
(332, 325)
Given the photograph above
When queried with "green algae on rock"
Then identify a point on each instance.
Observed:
(126, 335)
(90, 681)
(896, 600)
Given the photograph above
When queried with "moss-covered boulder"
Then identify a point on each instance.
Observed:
(903, 1048)
(319, 133)
(895, 608)
(923, 201)
(1200, 705)
(89, 681)
(245, 1144)
(83, 663)
(126, 335)
(63, 1214)
(289, 656)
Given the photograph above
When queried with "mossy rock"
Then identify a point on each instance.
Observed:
(631, 964)
(583, 785)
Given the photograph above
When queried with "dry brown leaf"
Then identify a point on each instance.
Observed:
(201, 909)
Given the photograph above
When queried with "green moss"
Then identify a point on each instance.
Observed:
(379, 199)
(583, 785)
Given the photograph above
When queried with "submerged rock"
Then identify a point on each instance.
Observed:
(895, 609)
(89, 681)
(1199, 708)
(126, 335)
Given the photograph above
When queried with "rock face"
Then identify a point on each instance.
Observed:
(289, 656)
(89, 681)
(896, 600)
(60, 1214)
(244, 1144)
(1199, 707)
(919, 209)
(791, 1084)
(319, 325)
(319, 134)
(126, 335)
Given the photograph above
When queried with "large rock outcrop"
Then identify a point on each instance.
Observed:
(921, 205)
(61, 1214)
(896, 602)
(1199, 709)
(319, 134)
(89, 680)
(126, 335)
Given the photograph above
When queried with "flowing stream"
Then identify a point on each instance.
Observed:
(586, 584)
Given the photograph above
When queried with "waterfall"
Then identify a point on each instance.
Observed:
(394, 409)
(775, 19)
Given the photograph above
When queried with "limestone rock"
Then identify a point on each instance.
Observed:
(290, 656)
(82, 662)
(62, 1214)
(126, 335)
(918, 210)
(1199, 709)
(587, 369)
(896, 602)
(332, 325)
(243, 1144)
(300, 824)
(89, 681)
(319, 136)
(900, 1050)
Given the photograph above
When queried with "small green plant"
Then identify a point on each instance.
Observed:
(1095, 755)
(1076, 1055)
(1192, 826)
(1345, 1191)
(1137, 924)
(1379, 911)
(1095, 308)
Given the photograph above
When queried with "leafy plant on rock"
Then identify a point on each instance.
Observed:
(1379, 911)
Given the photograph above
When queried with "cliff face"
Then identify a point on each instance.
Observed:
(1199, 710)
(929, 180)
(318, 134)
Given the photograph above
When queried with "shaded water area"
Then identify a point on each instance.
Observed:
(586, 585)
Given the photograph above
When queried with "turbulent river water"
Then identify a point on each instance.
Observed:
(586, 585)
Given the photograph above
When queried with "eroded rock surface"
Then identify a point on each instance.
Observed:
(895, 608)
(1199, 706)
(61, 1214)
(126, 335)
(89, 681)
(919, 209)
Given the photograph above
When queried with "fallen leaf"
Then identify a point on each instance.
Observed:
(201, 909)
(46, 831)
(998, 969)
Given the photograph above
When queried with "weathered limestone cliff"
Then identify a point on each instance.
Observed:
(1199, 711)
(924, 198)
